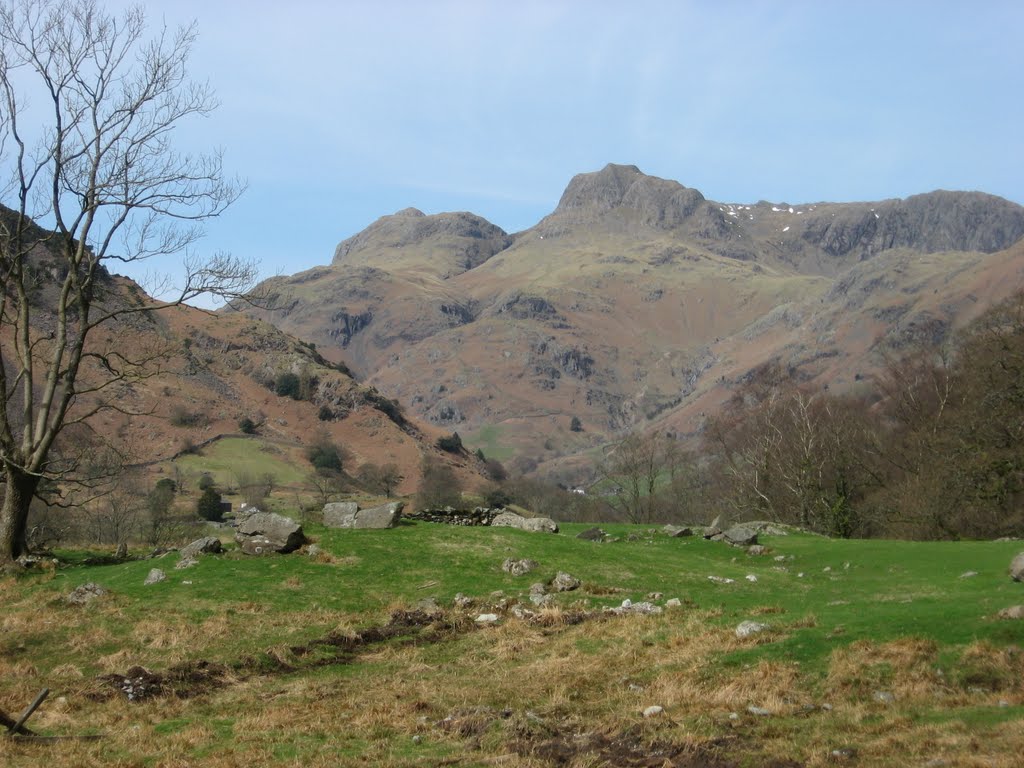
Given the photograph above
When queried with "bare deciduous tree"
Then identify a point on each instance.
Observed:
(638, 475)
(88, 107)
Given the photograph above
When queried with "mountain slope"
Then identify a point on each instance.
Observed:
(637, 298)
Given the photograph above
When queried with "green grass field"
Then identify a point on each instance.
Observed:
(230, 457)
(849, 623)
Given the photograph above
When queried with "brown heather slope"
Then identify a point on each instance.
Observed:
(205, 372)
(638, 300)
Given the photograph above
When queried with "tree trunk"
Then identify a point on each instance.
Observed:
(19, 489)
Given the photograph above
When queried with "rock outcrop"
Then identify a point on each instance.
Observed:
(204, 546)
(264, 533)
(347, 514)
(535, 524)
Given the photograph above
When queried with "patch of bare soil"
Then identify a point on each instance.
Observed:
(182, 681)
(195, 678)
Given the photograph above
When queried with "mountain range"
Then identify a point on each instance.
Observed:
(639, 302)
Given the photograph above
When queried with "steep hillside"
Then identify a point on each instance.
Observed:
(181, 377)
(639, 299)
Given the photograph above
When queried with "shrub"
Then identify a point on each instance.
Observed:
(439, 486)
(288, 384)
(451, 443)
(495, 470)
(208, 505)
(575, 425)
(325, 413)
(182, 417)
(206, 481)
(248, 426)
(497, 497)
(325, 456)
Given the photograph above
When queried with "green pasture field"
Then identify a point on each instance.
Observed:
(881, 652)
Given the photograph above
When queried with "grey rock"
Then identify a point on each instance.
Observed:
(155, 576)
(186, 562)
(712, 533)
(883, 697)
(518, 567)
(1017, 567)
(677, 531)
(428, 605)
(85, 593)
(748, 628)
(384, 516)
(673, 602)
(758, 711)
(535, 524)
(340, 514)
(756, 549)
(462, 601)
(204, 546)
(592, 534)
(313, 551)
(564, 582)
(968, 574)
(266, 532)
(653, 711)
(1013, 612)
(628, 606)
(486, 618)
(740, 536)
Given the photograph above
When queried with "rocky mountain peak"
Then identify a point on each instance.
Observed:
(659, 202)
(472, 237)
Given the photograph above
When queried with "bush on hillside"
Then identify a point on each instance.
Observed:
(451, 443)
(208, 505)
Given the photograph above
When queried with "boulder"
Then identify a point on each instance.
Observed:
(1013, 612)
(592, 534)
(155, 576)
(384, 516)
(85, 593)
(518, 567)
(756, 549)
(340, 514)
(535, 524)
(677, 531)
(740, 536)
(266, 532)
(204, 546)
(1017, 567)
(629, 607)
(748, 628)
(564, 582)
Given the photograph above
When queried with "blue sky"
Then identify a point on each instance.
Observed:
(337, 113)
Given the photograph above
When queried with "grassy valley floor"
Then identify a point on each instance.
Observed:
(873, 653)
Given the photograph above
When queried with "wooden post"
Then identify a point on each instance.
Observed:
(31, 708)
